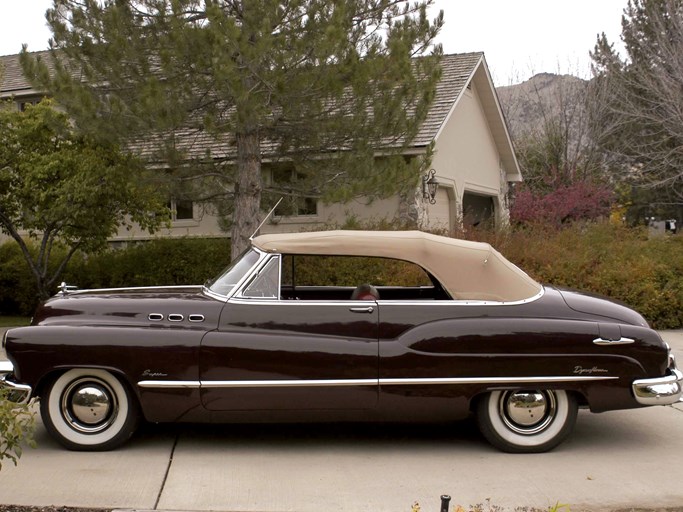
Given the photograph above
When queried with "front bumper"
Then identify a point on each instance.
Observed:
(18, 393)
(660, 391)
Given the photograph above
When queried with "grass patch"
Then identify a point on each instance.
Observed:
(14, 321)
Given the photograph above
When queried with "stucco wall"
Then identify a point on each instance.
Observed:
(466, 157)
(335, 215)
(204, 224)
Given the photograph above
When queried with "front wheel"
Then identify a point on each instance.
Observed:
(89, 410)
(526, 421)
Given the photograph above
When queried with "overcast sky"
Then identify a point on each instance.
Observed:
(519, 37)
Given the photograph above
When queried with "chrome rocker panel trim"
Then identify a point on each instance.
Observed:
(174, 384)
(661, 390)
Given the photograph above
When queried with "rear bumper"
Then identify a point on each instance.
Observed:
(18, 393)
(660, 391)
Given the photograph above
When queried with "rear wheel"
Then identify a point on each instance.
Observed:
(527, 421)
(89, 410)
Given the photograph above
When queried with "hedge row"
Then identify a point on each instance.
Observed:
(622, 263)
(159, 262)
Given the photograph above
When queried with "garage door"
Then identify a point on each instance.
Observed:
(440, 214)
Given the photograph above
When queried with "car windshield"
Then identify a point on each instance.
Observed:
(226, 281)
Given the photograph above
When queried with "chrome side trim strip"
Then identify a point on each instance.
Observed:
(287, 383)
(463, 302)
(170, 384)
(384, 302)
(214, 384)
(187, 287)
(490, 380)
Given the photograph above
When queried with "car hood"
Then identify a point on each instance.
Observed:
(601, 306)
(128, 306)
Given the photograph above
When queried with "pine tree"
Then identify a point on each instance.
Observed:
(638, 99)
(212, 89)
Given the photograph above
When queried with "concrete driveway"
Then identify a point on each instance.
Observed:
(616, 460)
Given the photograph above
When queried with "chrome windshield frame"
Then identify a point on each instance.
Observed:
(244, 279)
(238, 292)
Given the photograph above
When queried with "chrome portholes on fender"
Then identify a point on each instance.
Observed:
(175, 317)
(88, 409)
(526, 421)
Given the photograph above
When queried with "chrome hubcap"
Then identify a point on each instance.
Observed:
(528, 412)
(89, 405)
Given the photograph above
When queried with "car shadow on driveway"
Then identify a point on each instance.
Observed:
(298, 435)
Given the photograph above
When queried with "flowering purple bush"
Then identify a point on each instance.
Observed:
(581, 200)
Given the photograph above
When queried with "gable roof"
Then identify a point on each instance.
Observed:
(458, 71)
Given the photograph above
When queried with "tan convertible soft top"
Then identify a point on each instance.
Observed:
(467, 270)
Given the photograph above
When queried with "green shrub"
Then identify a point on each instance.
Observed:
(620, 262)
(157, 262)
(17, 422)
(18, 293)
(154, 263)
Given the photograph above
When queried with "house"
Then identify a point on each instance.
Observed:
(474, 162)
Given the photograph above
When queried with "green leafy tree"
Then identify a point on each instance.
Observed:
(213, 89)
(59, 187)
(638, 100)
(17, 422)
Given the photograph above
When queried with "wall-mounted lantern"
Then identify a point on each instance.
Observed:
(429, 186)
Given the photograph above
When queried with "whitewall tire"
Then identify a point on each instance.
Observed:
(89, 410)
(526, 421)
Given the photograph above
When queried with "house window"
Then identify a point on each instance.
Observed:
(181, 209)
(23, 105)
(293, 204)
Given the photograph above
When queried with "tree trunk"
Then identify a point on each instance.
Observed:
(248, 187)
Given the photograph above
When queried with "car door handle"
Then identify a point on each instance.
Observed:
(367, 309)
(621, 341)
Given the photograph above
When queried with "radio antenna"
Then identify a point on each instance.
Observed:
(266, 218)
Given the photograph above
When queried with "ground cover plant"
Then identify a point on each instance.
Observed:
(17, 422)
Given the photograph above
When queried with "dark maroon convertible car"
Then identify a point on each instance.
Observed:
(334, 326)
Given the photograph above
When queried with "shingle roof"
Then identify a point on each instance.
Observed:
(457, 71)
(12, 79)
